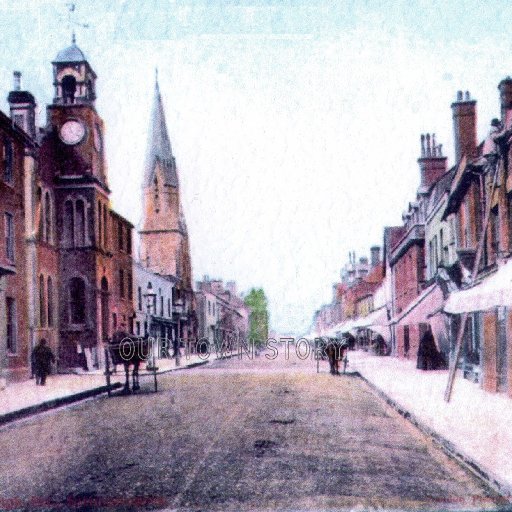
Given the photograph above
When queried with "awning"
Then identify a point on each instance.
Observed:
(495, 290)
(422, 307)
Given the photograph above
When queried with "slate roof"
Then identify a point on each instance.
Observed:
(159, 146)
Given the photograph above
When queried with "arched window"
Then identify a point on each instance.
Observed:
(80, 223)
(69, 88)
(42, 306)
(69, 224)
(47, 218)
(49, 291)
(77, 301)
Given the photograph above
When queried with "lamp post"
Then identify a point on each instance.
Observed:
(150, 300)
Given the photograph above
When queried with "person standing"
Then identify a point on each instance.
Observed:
(42, 359)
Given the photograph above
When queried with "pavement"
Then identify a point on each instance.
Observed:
(234, 435)
(22, 399)
(475, 426)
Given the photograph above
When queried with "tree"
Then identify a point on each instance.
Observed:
(258, 319)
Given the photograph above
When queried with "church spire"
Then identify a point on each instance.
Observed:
(159, 146)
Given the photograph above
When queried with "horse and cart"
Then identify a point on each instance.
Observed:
(130, 351)
(334, 350)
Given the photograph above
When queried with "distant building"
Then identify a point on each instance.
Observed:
(223, 316)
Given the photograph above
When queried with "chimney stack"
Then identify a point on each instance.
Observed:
(432, 162)
(375, 255)
(505, 88)
(464, 126)
(22, 106)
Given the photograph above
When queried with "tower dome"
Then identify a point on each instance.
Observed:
(70, 54)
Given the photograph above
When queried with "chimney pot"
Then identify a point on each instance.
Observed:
(459, 95)
(17, 80)
(468, 96)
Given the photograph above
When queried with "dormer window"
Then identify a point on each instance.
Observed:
(69, 88)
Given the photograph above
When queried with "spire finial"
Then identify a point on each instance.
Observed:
(72, 22)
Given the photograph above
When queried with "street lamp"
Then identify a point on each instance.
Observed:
(150, 300)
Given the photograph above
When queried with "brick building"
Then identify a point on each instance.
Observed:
(17, 165)
(67, 258)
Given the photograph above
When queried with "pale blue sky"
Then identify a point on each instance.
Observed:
(295, 125)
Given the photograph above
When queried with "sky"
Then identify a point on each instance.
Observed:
(295, 124)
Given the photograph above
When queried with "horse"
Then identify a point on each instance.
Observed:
(127, 350)
(335, 350)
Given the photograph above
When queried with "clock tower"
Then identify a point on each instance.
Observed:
(72, 159)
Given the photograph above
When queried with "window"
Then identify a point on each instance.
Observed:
(139, 298)
(441, 246)
(47, 234)
(80, 223)
(137, 324)
(120, 235)
(128, 240)
(130, 321)
(213, 307)
(100, 225)
(169, 307)
(105, 227)
(114, 320)
(11, 325)
(161, 306)
(8, 160)
(42, 305)
(130, 285)
(121, 283)
(77, 300)
(209, 308)
(49, 291)
(9, 236)
(436, 254)
(69, 224)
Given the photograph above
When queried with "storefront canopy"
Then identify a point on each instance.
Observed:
(496, 290)
(422, 307)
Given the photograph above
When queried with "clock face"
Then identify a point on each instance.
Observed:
(98, 141)
(72, 132)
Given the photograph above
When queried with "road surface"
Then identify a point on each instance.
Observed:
(233, 436)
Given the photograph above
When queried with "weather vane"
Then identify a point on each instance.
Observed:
(72, 23)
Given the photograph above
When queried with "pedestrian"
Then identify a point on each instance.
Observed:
(42, 359)
(428, 355)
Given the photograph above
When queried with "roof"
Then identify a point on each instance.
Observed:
(21, 97)
(159, 149)
(70, 54)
